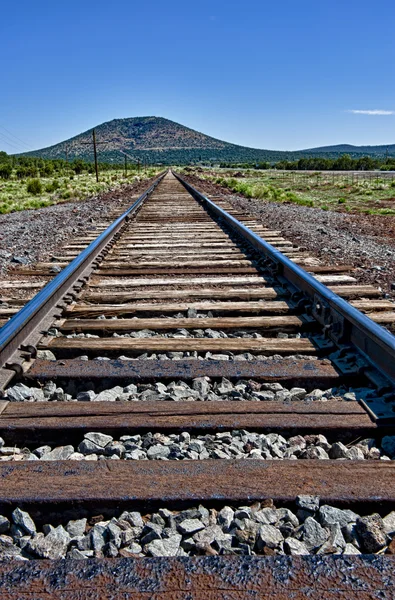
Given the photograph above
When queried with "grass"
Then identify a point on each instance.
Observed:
(342, 192)
(19, 194)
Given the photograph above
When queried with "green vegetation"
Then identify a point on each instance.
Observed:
(34, 186)
(29, 183)
(344, 192)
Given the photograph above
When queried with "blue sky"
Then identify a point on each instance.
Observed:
(278, 75)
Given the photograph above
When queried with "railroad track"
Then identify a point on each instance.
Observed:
(180, 300)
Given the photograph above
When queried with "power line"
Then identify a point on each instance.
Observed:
(6, 140)
(16, 137)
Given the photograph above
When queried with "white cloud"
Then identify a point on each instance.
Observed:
(372, 112)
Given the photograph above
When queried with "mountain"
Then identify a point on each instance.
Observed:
(158, 140)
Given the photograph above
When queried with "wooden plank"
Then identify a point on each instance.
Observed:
(22, 285)
(353, 291)
(157, 344)
(58, 423)
(176, 270)
(333, 279)
(115, 282)
(87, 310)
(212, 293)
(202, 578)
(103, 485)
(288, 322)
(144, 264)
(382, 317)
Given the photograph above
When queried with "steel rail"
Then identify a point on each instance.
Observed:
(31, 317)
(344, 324)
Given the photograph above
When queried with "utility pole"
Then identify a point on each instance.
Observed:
(95, 155)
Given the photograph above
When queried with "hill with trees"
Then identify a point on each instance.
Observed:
(155, 140)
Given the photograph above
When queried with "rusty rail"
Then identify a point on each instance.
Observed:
(344, 325)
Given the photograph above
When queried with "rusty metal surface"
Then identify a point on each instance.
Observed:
(202, 578)
(312, 373)
(71, 488)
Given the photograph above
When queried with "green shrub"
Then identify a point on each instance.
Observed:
(34, 186)
(5, 171)
(52, 187)
(341, 201)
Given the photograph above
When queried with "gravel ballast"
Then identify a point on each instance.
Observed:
(228, 445)
(199, 389)
(260, 529)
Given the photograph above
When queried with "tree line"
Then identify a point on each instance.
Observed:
(24, 167)
(342, 163)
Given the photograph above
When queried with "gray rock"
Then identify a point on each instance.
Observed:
(8, 549)
(4, 524)
(338, 450)
(315, 452)
(389, 523)
(310, 503)
(201, 385)
(313, 535)
(39, 452)
(297, 393)
(45, 355)
(20, 392)
(54, 545)
(24, 521)
(206, 536)
(134, 518)
(87, 447)
(79, 554)
(158, 451)
(269, 536)
(60, 453)
(109, 395)
(151, 532)
(99, 439)
(226, 516)
(98, 539)
(335, 542)
(264, 395)
(329, 515)
(266, 516)
(350, 534)
(371, 531)
(350, 549)
(134, 548)
(166, 547)
(87, 396)
(355, 453)
(295, 547)
(284, 515)
(76, 528)
(190, 526)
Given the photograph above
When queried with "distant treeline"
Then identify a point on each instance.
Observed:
(343, 163)
(26, 166)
